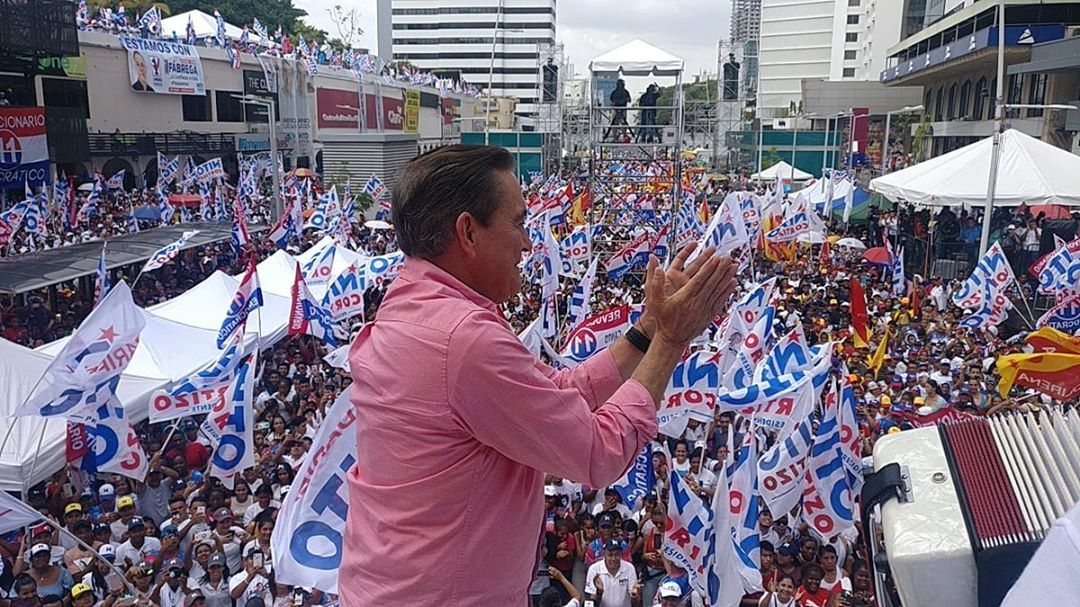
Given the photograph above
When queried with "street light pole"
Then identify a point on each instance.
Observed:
(276, 205)
(999, 117)
(491, 72)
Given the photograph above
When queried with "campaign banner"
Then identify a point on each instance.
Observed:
(782, 469)
(200, 392)
(691, 392)
(160, 66)
(1036, 269)
(307, 542)
(345, 295)
(384, 268)
(596, 333)
(208, 170)
(638, 481)
(116, 445)
(24, 151)
(229, 426)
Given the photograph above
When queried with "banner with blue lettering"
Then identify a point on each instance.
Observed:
(782, 469)
(827, 500)
(575, 249)
(638, 481)
(691, 392)
(317, 269)
(85, 373)
(744, 503)
(160, 66)
(116, 445)
(229, 426)
(345, 297)
(689, 536)
(633, 255)
(992, 271)
(24, 150)
(248, 298)
(382, 269)
(307, 542)
(199, 392)
(599, 331)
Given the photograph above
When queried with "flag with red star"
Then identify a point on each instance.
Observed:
(84, 374)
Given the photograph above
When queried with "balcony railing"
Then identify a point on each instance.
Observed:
(38, 28)
(148, 144)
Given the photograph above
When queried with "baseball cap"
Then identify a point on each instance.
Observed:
(670, 589)
(612, 545)
(919, 400)
(40, 529)
(606, 519)
(125, 502)
(871, 385)
(101, 527)
(79, 589)
(549, 491)
(136, 523)
(107, 552)
(40, 548)
(73, 507)
(222, 514)
(81, 524)
(886, 399)
(106, 490)
(174, 563)
(168, 530)
(216, 559)
(788, 549)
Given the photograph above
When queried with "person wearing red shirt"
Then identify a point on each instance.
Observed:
(195, 453)
(810, 592)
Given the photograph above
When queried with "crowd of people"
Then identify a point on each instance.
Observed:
(182, 539)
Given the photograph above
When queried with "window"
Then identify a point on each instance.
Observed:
(852, 19)
(851, 37)
(982, 93)
(964, 111)
(853, 2)
(59, 92)
(196, 108)
(939, 99)
(950, 106)
(1037, 95)
(927, 100)
(992, 96)
(849, 72)
(229, 108)
(850, 55)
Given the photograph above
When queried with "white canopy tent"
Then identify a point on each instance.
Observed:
(1031, 171)
(180, 337)
(638, 58)
(784, 170)
(205, 27)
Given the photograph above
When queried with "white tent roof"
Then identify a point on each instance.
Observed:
(782, 169)
(180, 337)
(205, 27)
(638, 58)
(1031, 171)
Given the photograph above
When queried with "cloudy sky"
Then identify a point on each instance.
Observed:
(688, 28)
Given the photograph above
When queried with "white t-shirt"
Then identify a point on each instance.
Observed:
(616, 587)
(150, 550)
(1050, 576)
(259, 587)
(173, 598)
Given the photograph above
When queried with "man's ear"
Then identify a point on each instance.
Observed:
(465, 233)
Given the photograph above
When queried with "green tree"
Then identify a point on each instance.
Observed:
(133, 7)
(699, 91)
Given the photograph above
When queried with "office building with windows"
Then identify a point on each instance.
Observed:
(834, 40)
(477, 40)
(953, 58)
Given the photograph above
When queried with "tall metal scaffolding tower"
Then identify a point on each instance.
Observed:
(627, 151)
(550, 81)
(731, 64)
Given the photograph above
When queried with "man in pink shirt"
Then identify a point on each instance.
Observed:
(457, 422)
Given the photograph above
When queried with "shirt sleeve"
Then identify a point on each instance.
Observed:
(497, 391)
(590, 586)
(596, 380)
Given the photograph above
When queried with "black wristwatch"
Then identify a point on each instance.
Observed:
(638, 339)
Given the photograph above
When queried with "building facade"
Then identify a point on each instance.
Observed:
(477, 40)
(333, 122)
(953, 58)
(745, 37)
(836, 40)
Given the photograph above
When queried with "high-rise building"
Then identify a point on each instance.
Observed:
(745, 19)
(477, 40)
(833, 40)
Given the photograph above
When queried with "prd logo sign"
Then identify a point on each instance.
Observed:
(10, 149)
(584, 344)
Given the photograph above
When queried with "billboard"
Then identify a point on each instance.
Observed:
(24, 149)
(412, 111)
(338, 109)
(158, 66)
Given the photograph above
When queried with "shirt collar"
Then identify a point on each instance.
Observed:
(422, 270)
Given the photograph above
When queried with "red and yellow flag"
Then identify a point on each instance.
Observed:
(1056, 375)
(1049, 339)
(861, 334)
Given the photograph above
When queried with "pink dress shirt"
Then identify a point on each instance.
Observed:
(457, 422)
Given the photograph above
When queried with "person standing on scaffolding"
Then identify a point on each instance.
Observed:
(646, 124)
(619, 98)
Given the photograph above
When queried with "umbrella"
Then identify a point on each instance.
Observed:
(86, 187)
(849, 242)
(811, 237)
(185, 200)
(303, 172)
(1053, 211)
(878, 255)
(377, 224)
